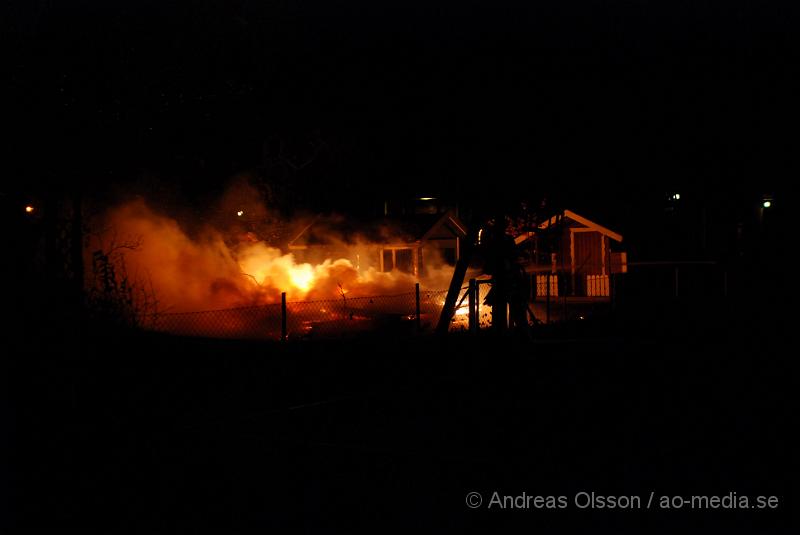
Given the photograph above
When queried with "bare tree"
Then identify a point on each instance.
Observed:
(115, 298)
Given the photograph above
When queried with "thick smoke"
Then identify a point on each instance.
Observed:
(216, 269)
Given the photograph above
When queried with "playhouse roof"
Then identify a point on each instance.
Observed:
(575, 218)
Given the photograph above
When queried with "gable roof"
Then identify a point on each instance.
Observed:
(448, 221)
(569, 214)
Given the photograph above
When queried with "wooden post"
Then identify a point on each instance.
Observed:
(473, 318)
(283, 317)
(477, 306)
(416, 317)
(459, 273)
(572, 260)
(500, 278)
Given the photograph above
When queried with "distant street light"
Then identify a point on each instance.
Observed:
(29, 209)
(240, 213)
(767, 204)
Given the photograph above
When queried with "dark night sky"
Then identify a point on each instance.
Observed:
(580, 100)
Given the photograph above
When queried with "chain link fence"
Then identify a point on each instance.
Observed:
(553, 297)
(408, 313)
(259, 322)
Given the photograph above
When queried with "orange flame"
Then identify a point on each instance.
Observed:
(204, 272)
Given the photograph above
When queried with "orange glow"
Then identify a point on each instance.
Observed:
(29, 209)
(302, 277)
(204, 271)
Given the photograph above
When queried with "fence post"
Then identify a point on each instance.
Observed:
(283, 316)
(473, 298)
(416, 317)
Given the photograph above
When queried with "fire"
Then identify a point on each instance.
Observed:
(302, 277)
(271, 269)
(205, 272)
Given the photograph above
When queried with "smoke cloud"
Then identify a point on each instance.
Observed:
(217, 269)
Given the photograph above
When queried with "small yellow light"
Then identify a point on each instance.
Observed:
(29, 209)
(427, 198)
(767, 204)
(240, 213)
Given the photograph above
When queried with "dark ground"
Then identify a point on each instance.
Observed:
(162, 434)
